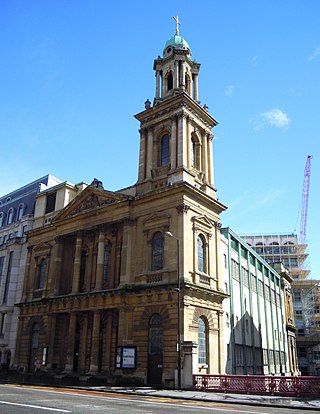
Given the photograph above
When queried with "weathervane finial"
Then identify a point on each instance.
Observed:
(176, 18)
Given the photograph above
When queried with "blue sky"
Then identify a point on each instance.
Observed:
(73, 73)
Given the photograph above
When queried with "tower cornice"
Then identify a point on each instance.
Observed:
(182, 101)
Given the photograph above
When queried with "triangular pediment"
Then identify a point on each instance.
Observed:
(90, 199)
(42, 247)
(156, 219)
(203, 220)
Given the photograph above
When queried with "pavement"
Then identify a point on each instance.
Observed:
(256, 400)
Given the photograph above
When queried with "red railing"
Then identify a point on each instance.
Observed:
(258, 384)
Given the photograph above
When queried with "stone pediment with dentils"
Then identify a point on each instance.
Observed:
(42, 247)
(88, 200)
(202, 221)
(160, 219)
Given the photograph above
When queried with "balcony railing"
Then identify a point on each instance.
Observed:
(258, 384)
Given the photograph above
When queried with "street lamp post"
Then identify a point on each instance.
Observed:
(168, 233)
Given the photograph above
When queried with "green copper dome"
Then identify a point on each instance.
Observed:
(177, 41)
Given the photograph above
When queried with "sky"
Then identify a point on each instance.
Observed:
(73, 73)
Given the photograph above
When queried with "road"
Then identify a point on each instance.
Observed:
(39, 400)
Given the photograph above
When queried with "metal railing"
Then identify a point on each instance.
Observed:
(258, 384)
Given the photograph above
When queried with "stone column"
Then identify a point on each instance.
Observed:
(176, 75)
(55, 270)
(94, 357)
(182, 153)
(183, 76)
(204, 155)
(71, 342)
(142, 156)
(210, 176)
(83, 350)
(173, 142)
(100, 260)
(157, 84)
(126, 252)
(149, 153)
(27, 281)
(163, 86)
(51, 338)
(195, 87)
(76, 264)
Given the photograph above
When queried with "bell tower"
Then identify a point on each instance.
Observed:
(176, 131)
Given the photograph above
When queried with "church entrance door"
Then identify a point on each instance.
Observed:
(155, 350)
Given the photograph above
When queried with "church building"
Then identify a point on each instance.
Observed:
(128, 284)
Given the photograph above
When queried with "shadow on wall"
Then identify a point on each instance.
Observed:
(244, 349)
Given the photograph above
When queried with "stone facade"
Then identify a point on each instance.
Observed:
(16, 219)
(100, 295)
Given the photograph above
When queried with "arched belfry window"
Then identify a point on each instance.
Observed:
(165, 150)
(42, 274)
(195, 153)
(202, 265)
(169, 81)
(202, 341)
(157, 251)
(188, 84)
(106, 265)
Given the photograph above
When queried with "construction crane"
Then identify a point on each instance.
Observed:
(305, 201)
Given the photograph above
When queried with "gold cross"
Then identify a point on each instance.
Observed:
(176, 18)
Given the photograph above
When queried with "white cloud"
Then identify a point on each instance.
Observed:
(229, 90)
(315, 54)
(274, 117)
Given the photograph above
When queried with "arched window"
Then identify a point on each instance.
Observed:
(202, 254)
(42, 274)
(165, 151)
(35, 336)
(10, 216)
(20, 212)
(106, 265)
(82, 278)
(169, 81)
(195, 153)
(202, 341)
(1, 219)
(157, 251)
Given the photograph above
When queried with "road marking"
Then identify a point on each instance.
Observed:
(36, 406)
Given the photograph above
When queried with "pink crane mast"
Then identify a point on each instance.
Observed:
(305, 201)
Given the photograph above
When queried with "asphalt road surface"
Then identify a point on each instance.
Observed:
(38, 400)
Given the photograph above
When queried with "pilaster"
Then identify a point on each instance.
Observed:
(100, 259)
(76, 264)
(71, 342)
(95, 343)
